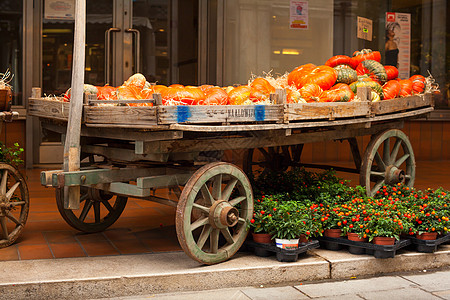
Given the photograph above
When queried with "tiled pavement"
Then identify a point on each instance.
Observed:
(144, 227)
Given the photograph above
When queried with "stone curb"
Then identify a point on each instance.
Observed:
(116, 276)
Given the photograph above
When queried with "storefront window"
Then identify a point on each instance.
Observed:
(258, 37)
(428, 39)
(11, 21)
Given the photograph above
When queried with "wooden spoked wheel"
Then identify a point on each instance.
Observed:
(259, 161)
(213, 211)
(98, 209)
(389, 159)
(14, 204)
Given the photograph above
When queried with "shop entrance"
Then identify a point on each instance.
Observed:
(157, 38)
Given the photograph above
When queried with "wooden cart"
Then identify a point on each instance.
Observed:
(144, 149)
(14, 198)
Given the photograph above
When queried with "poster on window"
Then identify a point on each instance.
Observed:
(298, 15)
(397, 51)
(59, 9)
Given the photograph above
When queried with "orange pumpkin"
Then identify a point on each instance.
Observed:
(293, 96)
(340, 92)
(239, 94)
(418, 82)
(295, 78)
(406, 87)
(391, 89)
(391, 71)
(175, 95)
(106, 93)
(130, 92)
(324, 76)
(338, 60)
(311, 92)
(215, 96)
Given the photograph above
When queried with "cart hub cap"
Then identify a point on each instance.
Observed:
(223, 215)
(394, 175)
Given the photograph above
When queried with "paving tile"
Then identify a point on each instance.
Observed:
(115, 234)
(431, 282)
(67, 250)
(354, 286)
(285, 293)
(399, 294)
(34, 252)
(99, 248)
(130, 246)
(90, 237)
(443, 294)
(60, 236)
(9, 253)
(222, 294)
(162, 245)
(29, 237)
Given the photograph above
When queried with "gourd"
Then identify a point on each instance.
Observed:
(364, 54)
(391, 89)
(374, 69)
(391, 72)
(406, 87)
(340, 92)
(345, 74)
(375, 86)
(338, 60)
(311, 92)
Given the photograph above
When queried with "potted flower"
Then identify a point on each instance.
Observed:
(262, 222)
(288, 224)
(431, 214)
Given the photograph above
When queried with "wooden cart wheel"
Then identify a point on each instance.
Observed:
(99, 209)
(279, 159)
(389, 159)
(213, 211)
(14, 204)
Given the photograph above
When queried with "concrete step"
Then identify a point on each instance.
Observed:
(127, 275)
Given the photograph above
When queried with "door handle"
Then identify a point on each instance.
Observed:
(137, 51)
(107, 53)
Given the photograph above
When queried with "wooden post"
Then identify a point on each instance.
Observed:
(36, 92)
(72, 144)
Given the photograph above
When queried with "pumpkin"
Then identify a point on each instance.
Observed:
(293, 96)
(311, 92)
(374, 96)
(175, 95)
(375, 86)
(130, 92)
(391, 72)
(215, 96)
(391, 89)
(295, 78)
(323, 76)
(137, 80)
(239, 94)
(205, 87)
(374, 69)
(338, 60)
(345, 74)
(106, 93)
(260, 90)
(147, 93)
(359, 56)
(340, 92)
(406, 87)
(418, 82)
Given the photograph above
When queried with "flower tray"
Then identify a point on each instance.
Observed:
(282, 255)
(378, 251)
(429, 246)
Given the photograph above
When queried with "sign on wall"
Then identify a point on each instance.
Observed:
(364, 29)
(59, 9)
(298, 15)
(398, 42)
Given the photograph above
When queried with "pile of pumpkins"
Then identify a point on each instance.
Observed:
(335, 81)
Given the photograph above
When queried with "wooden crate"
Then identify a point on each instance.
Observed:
(47, 108)
(120, 115)
(226, 114)
(330, 111)
(401, 104)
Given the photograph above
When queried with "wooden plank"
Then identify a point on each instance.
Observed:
(414, 137)
(446, 140)
(400, 104)
(270, 139)
(436, 140)
(330, 111)
(210, 114)
(45, 108)
(72, 144)
(425, 141)
(128, 116)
